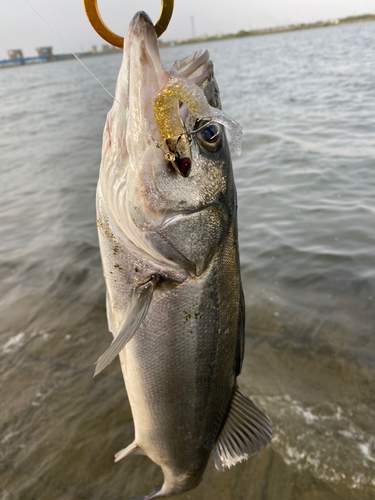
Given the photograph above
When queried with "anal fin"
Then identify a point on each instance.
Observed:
(133, 317)
(132, 449)
(246, 431)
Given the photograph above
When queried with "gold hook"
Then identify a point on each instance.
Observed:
(97, 23)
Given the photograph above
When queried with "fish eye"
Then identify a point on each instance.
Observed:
(211, 133)
(209, 136)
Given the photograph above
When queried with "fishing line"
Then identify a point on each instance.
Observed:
(87, 69)
(168, 155)
(70, 50)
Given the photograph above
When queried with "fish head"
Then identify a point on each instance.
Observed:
(170, 216)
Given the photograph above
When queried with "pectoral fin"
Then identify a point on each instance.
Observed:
(109, 309)
(132, 319)
(245, 432)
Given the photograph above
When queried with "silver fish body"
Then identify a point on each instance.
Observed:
(181, 361)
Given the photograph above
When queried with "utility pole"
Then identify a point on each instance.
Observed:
(192, 27)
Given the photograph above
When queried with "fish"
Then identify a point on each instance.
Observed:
(167, 225)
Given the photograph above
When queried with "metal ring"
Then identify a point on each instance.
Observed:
(93, 15)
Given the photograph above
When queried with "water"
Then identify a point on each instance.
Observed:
(307, 234)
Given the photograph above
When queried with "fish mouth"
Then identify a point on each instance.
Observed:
(141, 75)
(145, 67)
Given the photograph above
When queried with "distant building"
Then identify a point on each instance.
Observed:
(44, 51)
(105, 48)
(15, 54)
(94, 49)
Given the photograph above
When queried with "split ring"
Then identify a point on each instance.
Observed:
(93, 15)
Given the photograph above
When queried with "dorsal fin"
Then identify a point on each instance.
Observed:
(241, 336)
(246, 431)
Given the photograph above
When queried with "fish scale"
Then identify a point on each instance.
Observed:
(170, 257)
(190, 362)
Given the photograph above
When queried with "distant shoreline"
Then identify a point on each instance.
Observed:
(8, 63)
(269, 31)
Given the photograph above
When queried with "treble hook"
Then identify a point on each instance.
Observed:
(97, 23)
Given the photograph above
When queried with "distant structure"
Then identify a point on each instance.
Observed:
(94, 49)
(15, 54)
(44, 51)
(105, 48)
(192, 27)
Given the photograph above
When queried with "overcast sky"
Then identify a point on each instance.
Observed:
(20, 28)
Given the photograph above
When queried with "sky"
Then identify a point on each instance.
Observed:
(21, 28)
